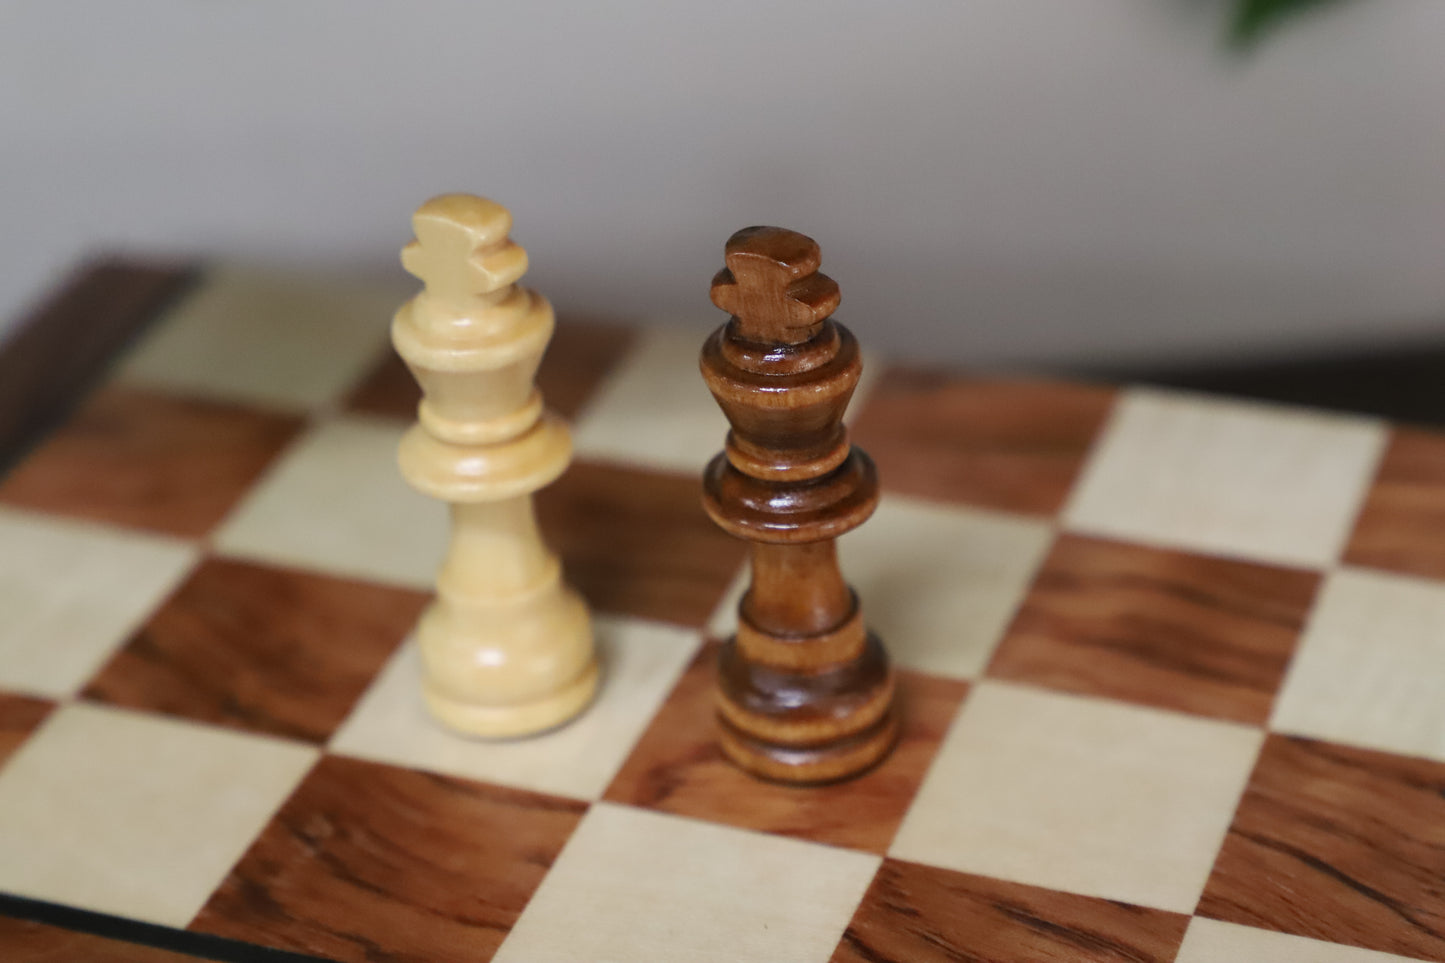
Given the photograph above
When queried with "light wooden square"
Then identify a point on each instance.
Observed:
(1252, 481)
(1081, 795)
(122, 813)
(640, 662)
(71, 593)
(633, 885)
(1211, 941)
(337, 502)
(654, 410)
(265, 337)
(938, 583)
(1370, 668)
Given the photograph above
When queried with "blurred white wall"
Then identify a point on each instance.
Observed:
(991, 181)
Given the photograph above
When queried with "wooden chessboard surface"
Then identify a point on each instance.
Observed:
(1172, 673)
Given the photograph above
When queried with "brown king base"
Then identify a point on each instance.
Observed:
(805, 694)
(806, 728)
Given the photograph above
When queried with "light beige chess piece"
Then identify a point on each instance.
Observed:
(506, 645)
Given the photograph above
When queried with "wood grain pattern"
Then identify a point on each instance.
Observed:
(368, 861)
(1401, 527)
(918, 914)
(637, 543)
(677, 767)
(1161, 628)
(27, 941)
(1012, 445)
(580, 355)
(137, 458)
(261, 649)
(19, 715)
(382, 865)
(1339, 844)
(59, 350)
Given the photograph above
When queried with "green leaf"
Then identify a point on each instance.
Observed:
(1254, 19)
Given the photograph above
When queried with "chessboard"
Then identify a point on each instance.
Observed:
(1171, 667)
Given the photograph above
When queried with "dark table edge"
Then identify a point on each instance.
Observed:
(199, 945)
(62, 347)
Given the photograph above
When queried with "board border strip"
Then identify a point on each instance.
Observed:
(198, 945)
(61, 347)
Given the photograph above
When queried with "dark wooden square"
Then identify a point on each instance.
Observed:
(138, 458)
(926, 915)
(262, 649)
(368, 862)
(638, 543)
(1012, 445)
(677, 767)
(1162, 628)
(1339, 844)
(19, 716)
(1402, 524)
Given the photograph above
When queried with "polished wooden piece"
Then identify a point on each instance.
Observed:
(507, 646)
(805, 690)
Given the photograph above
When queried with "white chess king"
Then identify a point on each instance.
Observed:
(506, 645)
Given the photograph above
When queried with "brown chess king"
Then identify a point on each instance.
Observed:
(805, 691)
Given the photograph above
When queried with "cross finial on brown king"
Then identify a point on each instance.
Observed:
(805, 692)
(772, 286)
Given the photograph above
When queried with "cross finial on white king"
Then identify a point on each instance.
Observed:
(462, 251)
